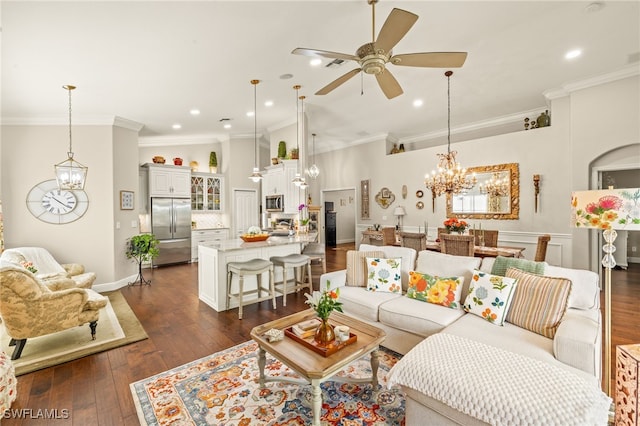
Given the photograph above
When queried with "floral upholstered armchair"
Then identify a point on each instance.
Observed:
(55, 275)
(30, 309)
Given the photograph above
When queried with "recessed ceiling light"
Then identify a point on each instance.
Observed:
(268, 103)
(250, 114)
(286, 76)
(572, 54)
(177, 126)
(315, 62)
(418, 103)
(194, 111)
(594, 7)
(227, 125)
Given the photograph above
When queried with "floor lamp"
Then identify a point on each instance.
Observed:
(607, 210)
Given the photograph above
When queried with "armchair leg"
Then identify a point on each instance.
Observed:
(12, 342)
(19, 344)
(92, 326)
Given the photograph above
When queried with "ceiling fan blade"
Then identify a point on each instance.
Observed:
(389, 84)
(337, 82)
(430, 59)
(398, 23)
(323, 54)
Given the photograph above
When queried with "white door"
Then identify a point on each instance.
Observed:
(245, 210)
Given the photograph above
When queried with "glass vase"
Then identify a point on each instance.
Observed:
(324, 333)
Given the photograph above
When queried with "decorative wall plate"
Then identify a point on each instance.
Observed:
(419, 194)
(419, 205)
(385, 198)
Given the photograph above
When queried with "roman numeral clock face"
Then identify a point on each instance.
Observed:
(52, 205)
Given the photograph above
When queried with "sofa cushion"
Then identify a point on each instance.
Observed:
(585, 291)
(490, 296)
(423, 319)
(357, 267)
(443, 291)
(384, 275)
(359, 302)
(502, 263)
(407, 254)
(447, 265)
(539, 302)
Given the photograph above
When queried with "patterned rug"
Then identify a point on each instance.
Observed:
(222, 389)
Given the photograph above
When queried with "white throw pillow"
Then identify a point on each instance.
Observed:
(384, 275)
(490, 296)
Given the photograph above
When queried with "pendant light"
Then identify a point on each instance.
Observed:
(314, 171)
(451, 177)
(70, 174)
(297, 180)
(255, 175)
(303, 154)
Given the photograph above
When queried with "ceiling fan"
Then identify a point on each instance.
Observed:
(373, 57)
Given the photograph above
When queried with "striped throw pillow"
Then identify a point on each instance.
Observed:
(539, 302)
(357, 270)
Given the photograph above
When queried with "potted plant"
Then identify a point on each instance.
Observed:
(282, 149)
(142, 248)
(294, 154)
(213, 162)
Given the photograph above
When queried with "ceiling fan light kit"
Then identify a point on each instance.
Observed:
(374, 56)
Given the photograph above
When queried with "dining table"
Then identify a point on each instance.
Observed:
(484, 251)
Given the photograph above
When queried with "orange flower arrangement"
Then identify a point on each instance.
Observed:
(455, 225)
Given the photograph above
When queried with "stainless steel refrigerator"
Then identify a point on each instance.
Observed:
(171, 224)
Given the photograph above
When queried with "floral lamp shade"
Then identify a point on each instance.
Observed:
(606, 209)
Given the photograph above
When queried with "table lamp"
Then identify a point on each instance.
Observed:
(607, 210)
(399, 211)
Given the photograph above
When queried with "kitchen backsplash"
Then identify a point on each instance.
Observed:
(210, 220)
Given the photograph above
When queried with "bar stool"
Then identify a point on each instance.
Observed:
(295, 261)
(316, 252)
(250, 267)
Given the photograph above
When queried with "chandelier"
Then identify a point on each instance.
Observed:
(496, 186)
(451, 178)
(70, 174)
(314, 170)
(255, 176)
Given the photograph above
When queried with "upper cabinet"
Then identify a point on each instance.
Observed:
(207, 192)
(277, 180)
(169, 181)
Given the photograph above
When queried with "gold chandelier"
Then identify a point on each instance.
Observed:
(496, 186)
(451, 178)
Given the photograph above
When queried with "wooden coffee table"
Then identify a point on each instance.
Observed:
(313, 367)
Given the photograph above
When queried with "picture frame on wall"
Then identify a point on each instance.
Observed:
(126, 200)
(364, 199)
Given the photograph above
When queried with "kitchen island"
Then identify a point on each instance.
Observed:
(214, 257)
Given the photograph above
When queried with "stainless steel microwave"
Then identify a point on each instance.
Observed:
(274, 203)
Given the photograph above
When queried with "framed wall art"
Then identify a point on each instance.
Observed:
(364, 199)
(126, 200)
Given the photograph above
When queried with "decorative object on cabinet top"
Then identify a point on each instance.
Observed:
(177, 161)
(385, 198)
(158, 159)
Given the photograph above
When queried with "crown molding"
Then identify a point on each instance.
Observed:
(568, 88)
(60, 120)
(127, 124)
(180, 140)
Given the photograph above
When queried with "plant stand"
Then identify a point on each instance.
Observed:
(140, 278)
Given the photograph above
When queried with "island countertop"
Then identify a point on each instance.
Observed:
(238, 244)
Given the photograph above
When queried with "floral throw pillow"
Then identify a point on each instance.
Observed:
(490, 296)
(384, 274)
(443, 291)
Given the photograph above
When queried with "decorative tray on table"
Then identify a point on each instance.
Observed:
(247, 238)
(332, 348)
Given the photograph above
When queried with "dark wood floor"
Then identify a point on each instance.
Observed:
(95, 389)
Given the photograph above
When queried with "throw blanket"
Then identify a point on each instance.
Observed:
(497, 386)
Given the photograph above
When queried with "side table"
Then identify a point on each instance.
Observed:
(627, 384)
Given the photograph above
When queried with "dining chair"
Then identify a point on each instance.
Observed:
(490, 237)
(414, 240)
(388, 236)
(541, 248)
(442, 231)
(458, 245)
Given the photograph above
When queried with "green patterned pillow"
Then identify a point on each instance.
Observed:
(444, 291)
(490, 296)
(502, 263)
(384, 275)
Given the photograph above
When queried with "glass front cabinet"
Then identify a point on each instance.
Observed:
(207, 192)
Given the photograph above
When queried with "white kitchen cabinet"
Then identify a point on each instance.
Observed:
(206, 236)
(207, 192)
(169, 181)
(278, 180)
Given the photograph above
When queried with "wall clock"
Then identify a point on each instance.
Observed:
(52, 205)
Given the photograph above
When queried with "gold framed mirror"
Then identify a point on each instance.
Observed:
(495, 196)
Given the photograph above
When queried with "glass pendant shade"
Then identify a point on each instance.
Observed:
(255, 176)
(314, 171)
(70, 174)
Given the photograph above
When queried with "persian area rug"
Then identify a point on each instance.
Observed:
(117, 326)
(222, 389)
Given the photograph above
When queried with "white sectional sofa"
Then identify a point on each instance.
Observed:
(573, 355)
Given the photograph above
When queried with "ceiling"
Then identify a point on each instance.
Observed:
(152, 62)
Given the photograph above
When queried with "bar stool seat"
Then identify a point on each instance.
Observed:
(250, 267)
(317, 252)
(292, 261)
